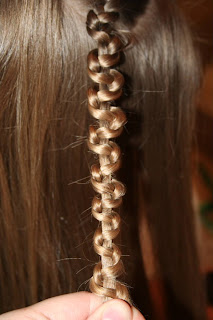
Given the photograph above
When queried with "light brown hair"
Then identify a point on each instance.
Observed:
(102, 99)
(46, 231)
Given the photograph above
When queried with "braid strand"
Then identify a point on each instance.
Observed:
(111, 119)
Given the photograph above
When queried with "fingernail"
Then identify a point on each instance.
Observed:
(114, 315)
(119, 312)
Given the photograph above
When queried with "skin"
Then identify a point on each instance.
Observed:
(76, 306)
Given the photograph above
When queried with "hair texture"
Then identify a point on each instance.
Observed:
(46, 231)
(101, 69)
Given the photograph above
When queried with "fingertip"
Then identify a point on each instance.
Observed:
(115, 309)
(136, 315)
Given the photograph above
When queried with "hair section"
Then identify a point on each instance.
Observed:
(111, 119)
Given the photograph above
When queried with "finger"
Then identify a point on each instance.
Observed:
(75, 306)
(116, 310)
(137, 315)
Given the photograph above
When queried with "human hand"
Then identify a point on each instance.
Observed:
(76, 306)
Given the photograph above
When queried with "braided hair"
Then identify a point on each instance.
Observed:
(102, 105)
